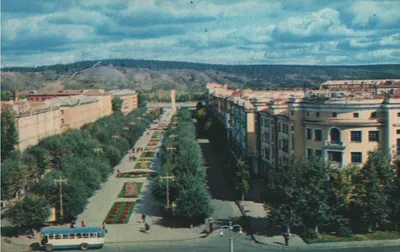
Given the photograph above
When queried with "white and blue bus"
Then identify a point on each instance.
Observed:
(72, 238)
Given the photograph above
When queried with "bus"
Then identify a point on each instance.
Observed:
(72, 238)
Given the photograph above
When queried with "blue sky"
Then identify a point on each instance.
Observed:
(317, 32)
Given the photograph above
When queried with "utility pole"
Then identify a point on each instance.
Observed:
(61, 181)
(98, 150)
(171, 149)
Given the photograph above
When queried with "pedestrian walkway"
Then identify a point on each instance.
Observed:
(260, 228)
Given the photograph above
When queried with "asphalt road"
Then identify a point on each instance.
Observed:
(218, 244)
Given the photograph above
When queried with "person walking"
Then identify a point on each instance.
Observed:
(103, 226)
(82, 223)
(147, 227)
(143, 218)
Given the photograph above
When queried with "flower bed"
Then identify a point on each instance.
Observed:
(143, 165)
(148, 154)
(137, 174)
(120, 212)
(145, 159)
(138, 189)
(151, 148)
(153, 143)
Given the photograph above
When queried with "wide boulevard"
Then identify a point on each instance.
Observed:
(221, 244)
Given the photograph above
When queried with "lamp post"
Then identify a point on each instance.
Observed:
(230, 227)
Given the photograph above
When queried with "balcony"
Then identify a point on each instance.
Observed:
(334, 144)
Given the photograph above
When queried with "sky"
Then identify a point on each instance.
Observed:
(312, 32)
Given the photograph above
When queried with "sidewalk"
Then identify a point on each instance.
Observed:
(258, 226)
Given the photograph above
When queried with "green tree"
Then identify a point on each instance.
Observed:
(32, 211)
(242, 178)
(395, 198)
(9, 134)
(5, 95)
(373, 192)
(193, 211)
(116, 104)
(13, 177)
(42, 157)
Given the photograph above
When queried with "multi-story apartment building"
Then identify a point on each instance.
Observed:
(342, 125)
(76, 111)
(34, 121)
(104, 98)
(129, 99)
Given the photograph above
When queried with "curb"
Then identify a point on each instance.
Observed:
(150, 241)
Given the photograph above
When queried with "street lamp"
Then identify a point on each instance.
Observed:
(230, 228)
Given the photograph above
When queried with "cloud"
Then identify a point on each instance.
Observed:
(221, 31)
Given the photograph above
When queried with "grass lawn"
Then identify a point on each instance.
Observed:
(148, 154)
(139, 165)
(139, 186)
(379, 235)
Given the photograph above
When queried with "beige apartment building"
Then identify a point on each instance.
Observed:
(76, 111)
(34, 121)
(339, 124)
(129, 99)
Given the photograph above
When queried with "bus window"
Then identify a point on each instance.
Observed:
(93, 235)
(79, 236)
(85, 235)
(51, 237)
(71, 236)
(65, 236)
(57, 237)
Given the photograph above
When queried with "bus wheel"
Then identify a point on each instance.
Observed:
(48, 247)
(84, 246)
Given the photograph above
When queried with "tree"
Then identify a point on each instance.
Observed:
(395, 198)
(9, 134)
(193, 205)
(32, 211)
(242, 178)
(117, 104)
(373, 191)
(5, 95)
(13, 177)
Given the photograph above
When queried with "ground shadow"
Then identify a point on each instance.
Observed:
(217, 182)
(146, 204)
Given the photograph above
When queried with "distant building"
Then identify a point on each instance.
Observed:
(129, 99)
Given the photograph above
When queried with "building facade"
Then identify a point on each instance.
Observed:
(129, 99)
(270, 128)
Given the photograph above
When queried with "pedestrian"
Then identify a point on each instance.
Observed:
(143, 218)
(33, 233)
(211, 226)
(104, 227)
(147, 227)
(83, 222)
(118, 171)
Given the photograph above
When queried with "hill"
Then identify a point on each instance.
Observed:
(183, 76)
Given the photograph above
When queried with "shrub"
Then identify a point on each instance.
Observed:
(344, 231)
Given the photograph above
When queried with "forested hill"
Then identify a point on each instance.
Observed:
(183, 76)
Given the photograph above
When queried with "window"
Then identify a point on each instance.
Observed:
(285, 145)
(279, 127)
(65, 236)
(292, 128)
(285, 128)
(334, 114)
(398, 114)
(356, 157)
(356, 136)
(272, 122)
(309, 133)
(317, 114)
(398, 131)
(291, 113)
(262, 137)
(51, 236)
(267, 138)
(261, 122)
(85, 235)
(355, 115)
(398, 146)
(373, 115)
(318, 135)
(308, 113)
(373, 136)
(292, 141)
(335, 156)
(57, 237)
(266, 122)
(335, 136)
(309, 153)
(267, 153)
(71, 236)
